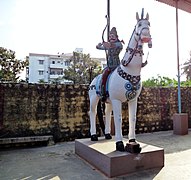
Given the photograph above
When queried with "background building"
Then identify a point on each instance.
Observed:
(47, 68)
(50, 68)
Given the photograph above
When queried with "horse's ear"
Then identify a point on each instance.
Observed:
(137, 16)
(147, 16)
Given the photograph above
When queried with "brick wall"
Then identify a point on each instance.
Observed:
(62, 110)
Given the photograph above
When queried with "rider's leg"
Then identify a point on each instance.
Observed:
(103, 85)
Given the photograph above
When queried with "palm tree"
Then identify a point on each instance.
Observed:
(187, 68)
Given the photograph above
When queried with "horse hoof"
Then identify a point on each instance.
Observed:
(108, 136)
(131, 140)
(94, 137)
(120, 146)
(133, 147)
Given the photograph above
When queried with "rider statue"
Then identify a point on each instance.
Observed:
(113, 48)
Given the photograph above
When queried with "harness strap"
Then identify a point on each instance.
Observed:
(136, 51)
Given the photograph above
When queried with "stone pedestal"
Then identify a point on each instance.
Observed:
(103, 156)
(180, 123)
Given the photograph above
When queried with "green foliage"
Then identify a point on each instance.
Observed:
(160, 82)
(164, 82)
(41, 81)
(82, 70)
(185, 83)
(10, 67)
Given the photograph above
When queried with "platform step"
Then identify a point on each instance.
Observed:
(103, 156)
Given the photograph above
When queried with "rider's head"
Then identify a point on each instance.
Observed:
(113, 37)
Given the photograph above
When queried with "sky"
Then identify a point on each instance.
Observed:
(61, 26)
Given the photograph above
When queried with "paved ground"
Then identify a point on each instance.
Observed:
(59, 162)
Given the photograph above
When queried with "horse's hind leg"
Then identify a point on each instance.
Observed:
(93, 109)
(108, 110)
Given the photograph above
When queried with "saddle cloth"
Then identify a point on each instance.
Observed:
(99, 84)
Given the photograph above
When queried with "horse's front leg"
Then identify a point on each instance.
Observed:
(132, 119)
(116, 104)
(132, 146)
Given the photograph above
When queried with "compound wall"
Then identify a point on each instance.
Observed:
(62, 110)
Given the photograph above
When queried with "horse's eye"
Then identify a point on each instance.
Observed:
(139, 24)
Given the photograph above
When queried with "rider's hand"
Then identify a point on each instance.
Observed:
(99, 45)
(106, 44)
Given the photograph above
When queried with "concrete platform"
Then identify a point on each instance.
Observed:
(103, 156)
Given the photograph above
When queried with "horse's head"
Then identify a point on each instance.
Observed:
(141, 35)
(142, 30)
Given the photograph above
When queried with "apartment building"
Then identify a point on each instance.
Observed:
(50, 68)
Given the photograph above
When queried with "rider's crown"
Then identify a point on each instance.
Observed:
(114, 31)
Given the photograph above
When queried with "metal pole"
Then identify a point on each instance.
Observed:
(108, 16)
(178, 64)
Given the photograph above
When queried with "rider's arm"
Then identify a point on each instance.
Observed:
(101, 46)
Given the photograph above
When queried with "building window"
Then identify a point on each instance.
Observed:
(67, 63)
(52, 72)
(41, 61)
(53, 62)
(40, 72)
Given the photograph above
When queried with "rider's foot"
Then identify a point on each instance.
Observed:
(103, 98)
(94, 137)
(108, 136)
(120, 146)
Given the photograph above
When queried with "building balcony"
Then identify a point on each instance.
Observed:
(55, 76)
(57, 66)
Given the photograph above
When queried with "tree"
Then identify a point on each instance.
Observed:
(187, 68)
(160, 82)
(82, 69)
(10, 67)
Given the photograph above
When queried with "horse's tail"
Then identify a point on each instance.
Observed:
(100, 109)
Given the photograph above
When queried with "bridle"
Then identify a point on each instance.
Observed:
(138, 49)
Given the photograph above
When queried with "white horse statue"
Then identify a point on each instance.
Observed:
(124, 84)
